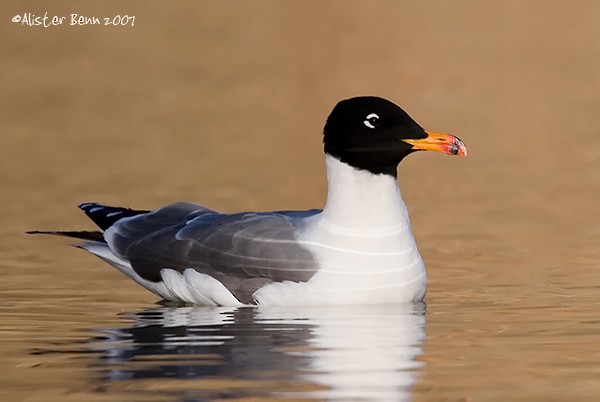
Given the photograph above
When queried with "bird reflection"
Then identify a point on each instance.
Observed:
(345, 353)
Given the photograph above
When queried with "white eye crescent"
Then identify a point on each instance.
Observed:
(371, 121)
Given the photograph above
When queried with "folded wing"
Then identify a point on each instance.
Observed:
(244, 251)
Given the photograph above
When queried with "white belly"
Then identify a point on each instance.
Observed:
(355, 267)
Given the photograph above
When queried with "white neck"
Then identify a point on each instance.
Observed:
(359, 200)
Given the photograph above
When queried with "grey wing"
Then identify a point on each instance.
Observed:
(244, 251)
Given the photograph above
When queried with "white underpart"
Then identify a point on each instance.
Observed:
(205, 286)
(363, 243)
(102, 251)
(190, 287)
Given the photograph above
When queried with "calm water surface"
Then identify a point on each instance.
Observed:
(224, 104)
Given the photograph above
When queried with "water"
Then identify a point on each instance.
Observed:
(224, 104)
(197, 353)
(313, 353)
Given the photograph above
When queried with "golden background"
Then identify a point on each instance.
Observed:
(223, 103)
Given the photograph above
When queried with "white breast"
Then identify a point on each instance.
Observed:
(363, 244)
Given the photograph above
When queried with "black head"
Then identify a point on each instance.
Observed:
(367, 133)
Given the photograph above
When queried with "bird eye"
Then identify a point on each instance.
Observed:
(372, 120)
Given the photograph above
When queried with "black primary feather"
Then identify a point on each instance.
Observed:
(82, 235)
(105, 216)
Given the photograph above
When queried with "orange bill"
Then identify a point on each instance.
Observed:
(445, 143)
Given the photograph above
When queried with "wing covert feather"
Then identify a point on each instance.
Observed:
(244, 251)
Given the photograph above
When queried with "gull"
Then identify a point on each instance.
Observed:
(358, 249)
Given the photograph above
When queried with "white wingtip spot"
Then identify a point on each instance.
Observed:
(114, 213)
